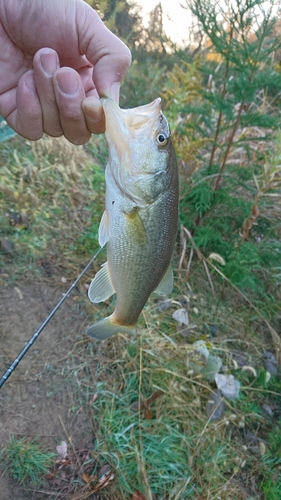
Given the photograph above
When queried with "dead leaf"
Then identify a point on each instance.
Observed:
(183, 331)
(143, 404)
(181, 316)
(212, 367)
(215, 406)
(198, 357)
(6, 246)
(270, 363)
(87, 478)
(163, 305)
(153, 397)
(228, 385)
(137, 495)
(139, 405)
(62, 449)
(105, 477)
(239, 357)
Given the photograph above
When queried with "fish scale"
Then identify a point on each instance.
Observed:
(139, 225)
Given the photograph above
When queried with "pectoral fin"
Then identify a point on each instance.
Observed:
(166, 284)
(135, 227)
(104, 229)
(101, 287)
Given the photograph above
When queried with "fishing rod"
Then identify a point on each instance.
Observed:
(17, 360)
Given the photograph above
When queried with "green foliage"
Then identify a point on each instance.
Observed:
(59, 188)
(26, 461)
(222, 120)
(271, 482)
(135, 445)
(152, 423)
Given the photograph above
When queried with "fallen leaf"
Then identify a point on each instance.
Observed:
(137, 495)
(228, 385)
(270, 363)
(105, 477)
(106, 469)
(198, 357)
(62, 449)
(143, 404)
(87, 478)
(181, 316)
(212, 367)
(139, 405)
(6, 246)
(148, 415)
(267, 410)
(239, 357)
(215, 406)
(163, 305)
(183, 331)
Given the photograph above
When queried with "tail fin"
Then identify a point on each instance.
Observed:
(106, 328)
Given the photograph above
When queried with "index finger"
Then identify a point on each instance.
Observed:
(109, 56)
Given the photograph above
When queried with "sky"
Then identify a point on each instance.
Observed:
(175, 18)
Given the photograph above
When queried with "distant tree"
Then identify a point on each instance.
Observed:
(122, 17)
(155, 38)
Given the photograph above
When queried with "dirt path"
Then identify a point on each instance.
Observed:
(36, 401)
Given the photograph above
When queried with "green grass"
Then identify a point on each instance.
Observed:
(271, 480)
(170, 450)
(60, 188)
(26, 461)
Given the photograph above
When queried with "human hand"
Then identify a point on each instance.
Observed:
(57, 58)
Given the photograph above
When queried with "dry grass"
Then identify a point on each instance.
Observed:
(148, 410)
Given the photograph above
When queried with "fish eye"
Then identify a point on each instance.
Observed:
(162, 139)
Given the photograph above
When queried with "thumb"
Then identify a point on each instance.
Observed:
(109, 56)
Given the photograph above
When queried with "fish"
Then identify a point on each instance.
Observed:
(139, 224)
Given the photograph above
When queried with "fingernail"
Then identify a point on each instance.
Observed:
(49, 62)
(114, 91)
(29, 82)
(92, 109)
(67, 84)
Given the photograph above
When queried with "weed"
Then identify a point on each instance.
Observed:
(271, 482)
(223, 127)
(60, 190)
(26, 461)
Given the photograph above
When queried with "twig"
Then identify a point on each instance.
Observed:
(275, 337)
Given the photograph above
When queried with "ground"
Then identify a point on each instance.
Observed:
(116, 401)
(33, 402)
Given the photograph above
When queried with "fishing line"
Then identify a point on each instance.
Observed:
(17, 360)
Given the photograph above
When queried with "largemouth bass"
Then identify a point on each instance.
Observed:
(139, 224)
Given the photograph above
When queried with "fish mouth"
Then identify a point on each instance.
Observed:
(123, 125)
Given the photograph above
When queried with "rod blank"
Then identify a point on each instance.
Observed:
(17, 360)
